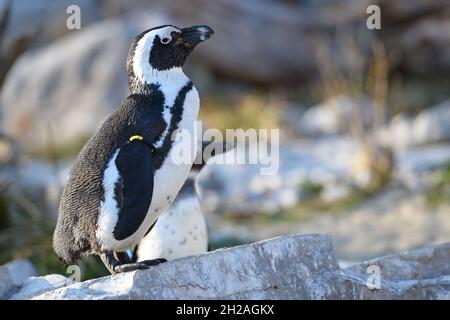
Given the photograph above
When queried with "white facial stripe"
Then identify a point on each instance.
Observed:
(141, 66)
(166, 34)
(170, 81)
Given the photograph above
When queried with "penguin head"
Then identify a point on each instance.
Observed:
(163, 48)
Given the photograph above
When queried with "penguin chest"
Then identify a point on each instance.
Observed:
(174, 171)
(179, 232)
(167, 180)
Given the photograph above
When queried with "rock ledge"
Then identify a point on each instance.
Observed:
(288, 267)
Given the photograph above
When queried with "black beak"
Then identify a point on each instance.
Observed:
(196, 34)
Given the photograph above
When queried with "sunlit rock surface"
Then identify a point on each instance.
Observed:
(290, 267)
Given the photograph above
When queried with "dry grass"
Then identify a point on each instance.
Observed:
(248, 111)
(350, 72)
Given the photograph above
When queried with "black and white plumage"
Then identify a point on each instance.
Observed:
(118, 186)
(181, 230)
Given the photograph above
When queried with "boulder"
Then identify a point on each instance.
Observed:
(335, 115)
(278, 268)
(416, 164)
(287, 27)
(77, 82)
(20, 271)
(39, 285)
(46, 19)
(423, 263)
(6, 283)
(414, 28)
(242, 189)
(428, 127)
(289, 267)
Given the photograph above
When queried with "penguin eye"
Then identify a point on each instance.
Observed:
(165, 40)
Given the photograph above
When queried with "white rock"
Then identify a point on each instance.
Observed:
(277, 268)
(290, 267)
(38, 285)
(20, 271)
(414, 165)
(433, 125)
(332, 193)
(333, 116)
(71, 85)
(428, 127)
(6, 283)
(242, 188)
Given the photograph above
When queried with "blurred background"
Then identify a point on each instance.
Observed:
(364, 116)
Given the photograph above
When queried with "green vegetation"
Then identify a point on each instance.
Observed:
(64, 151)
(26, 233)
(310, 189)
(439, 192)
(304, 210)
(248, 111)
(226, 242)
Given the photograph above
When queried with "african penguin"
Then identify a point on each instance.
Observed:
(181, 230)
(125, 176)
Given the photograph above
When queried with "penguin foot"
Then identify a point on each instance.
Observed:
(117, 262)
(130, 267)
(141, 265)
(153, 262)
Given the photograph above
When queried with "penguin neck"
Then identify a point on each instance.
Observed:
(143, 81)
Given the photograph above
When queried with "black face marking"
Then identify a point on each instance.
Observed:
(165, 56)
(132, 81)
(167, 52)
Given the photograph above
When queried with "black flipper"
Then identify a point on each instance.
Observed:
(134, 190)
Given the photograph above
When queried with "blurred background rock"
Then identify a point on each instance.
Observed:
(364, 116)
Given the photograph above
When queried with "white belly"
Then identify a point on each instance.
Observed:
(168, 181)
(179, 232)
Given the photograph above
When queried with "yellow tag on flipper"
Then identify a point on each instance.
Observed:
(136, 137)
